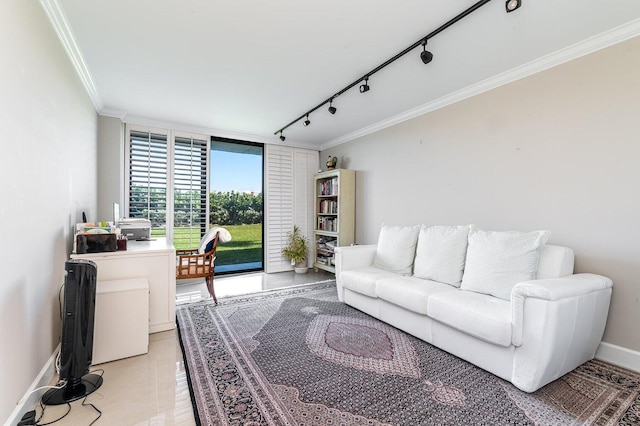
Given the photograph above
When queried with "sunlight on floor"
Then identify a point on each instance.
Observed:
(189, 291)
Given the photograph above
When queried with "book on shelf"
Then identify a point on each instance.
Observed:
(329, 224)
(329, 186)
(333, 212)
(328, 207)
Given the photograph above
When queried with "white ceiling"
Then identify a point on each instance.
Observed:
(247, 68)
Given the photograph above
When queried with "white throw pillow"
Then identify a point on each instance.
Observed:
(497, 261)
(396, 248)
(441, 253)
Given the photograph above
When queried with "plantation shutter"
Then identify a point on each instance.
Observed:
(279, 203)
(190, 200)
(147, 178)
(288, 200)
(305, 165)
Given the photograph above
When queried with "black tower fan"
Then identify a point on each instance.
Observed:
(77, 334)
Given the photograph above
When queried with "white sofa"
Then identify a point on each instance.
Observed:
(529, 331)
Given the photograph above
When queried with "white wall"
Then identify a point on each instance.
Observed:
(559, 150)
(47, 178)
(110, 167)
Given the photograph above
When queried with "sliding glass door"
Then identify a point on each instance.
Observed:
(236, 203)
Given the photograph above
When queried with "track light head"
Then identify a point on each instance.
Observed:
(425, 55)
(332, 109)
(282, 138)
(512, 5)
(306, 122)
(364, 87)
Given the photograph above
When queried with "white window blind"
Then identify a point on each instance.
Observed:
(278, 205)
(147, 183)
(190, 199)
(305, 165)
(288, 199)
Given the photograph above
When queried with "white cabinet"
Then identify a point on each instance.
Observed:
(121, 326)
(153, 260)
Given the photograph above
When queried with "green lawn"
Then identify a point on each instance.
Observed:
(245, 245)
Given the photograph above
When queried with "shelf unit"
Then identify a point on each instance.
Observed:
(334, 215)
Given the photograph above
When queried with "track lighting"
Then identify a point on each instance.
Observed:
(364, 87)
(332, 109)
(512, 5)
(425, 55)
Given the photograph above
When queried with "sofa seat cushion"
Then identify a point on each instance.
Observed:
(485, 317)
(364, 280)
(409, 292)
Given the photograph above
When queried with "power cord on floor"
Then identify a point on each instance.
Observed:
(29, 418)
(84, 403)
(37, 423)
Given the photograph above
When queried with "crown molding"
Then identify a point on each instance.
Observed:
(601, 41)
(113, 113)
(182, 127)
(60, 25)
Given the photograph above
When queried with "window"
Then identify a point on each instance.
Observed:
(189, 191)
(147, 179)
(167, 183)
(236, 203)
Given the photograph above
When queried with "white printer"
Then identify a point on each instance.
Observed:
(135, 228)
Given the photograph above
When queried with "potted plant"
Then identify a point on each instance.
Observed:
(296, 250)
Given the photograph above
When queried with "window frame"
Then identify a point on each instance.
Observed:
(171, 135)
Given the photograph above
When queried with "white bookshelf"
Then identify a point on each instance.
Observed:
(334, 215)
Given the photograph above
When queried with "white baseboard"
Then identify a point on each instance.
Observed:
(31, 398)
(619, 356)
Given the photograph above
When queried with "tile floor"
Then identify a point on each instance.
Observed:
(152, 389)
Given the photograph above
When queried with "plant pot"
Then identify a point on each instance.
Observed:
(301, 269)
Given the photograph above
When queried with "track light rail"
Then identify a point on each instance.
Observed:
(389, 61)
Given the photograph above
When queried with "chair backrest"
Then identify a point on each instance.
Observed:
(210, 248)
(207, 241)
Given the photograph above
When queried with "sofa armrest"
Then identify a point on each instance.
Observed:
(352, 257)
(557, 324)
(551, 289)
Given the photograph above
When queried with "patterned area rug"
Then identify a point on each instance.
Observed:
(300, 357)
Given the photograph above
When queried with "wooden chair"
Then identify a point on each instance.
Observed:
(192, 264)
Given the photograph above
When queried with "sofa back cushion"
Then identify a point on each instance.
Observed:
(441, 253)
(555, 262)
(497, 261)
(396, 248)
